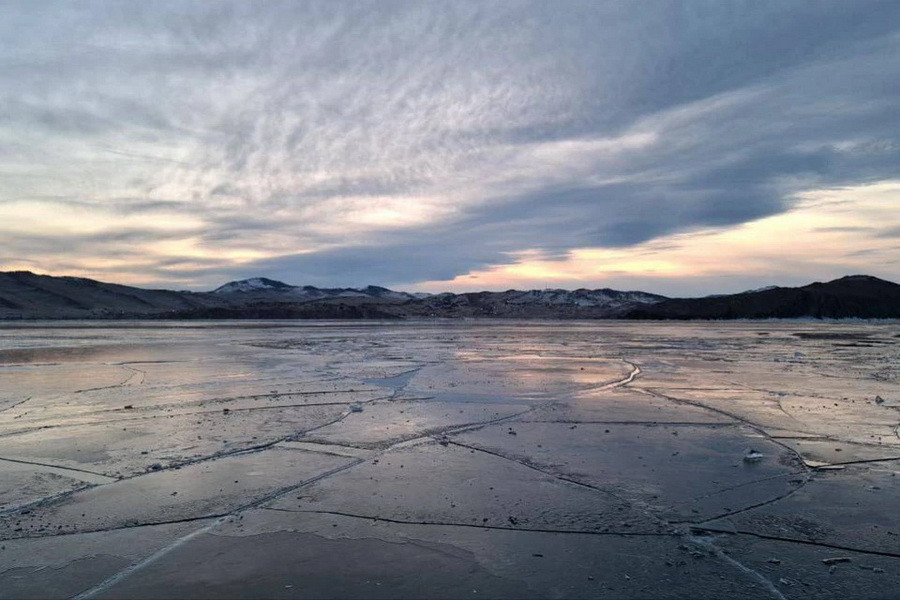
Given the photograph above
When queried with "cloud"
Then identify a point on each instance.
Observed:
(402, 143)
(787, 246)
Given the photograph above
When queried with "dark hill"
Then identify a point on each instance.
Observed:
(860, 296)
(26, 295)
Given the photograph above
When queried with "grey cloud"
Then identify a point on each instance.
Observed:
(120, 243)
(890, 232)
(847, 229)
(389, 264)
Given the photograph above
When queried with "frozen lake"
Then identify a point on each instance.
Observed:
(449, 459)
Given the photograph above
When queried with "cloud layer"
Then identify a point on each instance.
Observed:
(417, 144)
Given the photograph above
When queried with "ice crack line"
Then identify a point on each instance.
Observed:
(758, 429)
(779, 538)
(163, 415)
(219, 455)
(856, 462)
(127, 571)
(96, 478)
(563, 478)
(55, 534)
(12, 406)
(635, 371)
(648, 423)
(475, 525)
(740, 485)
(738, 511)
(806, 471)
(117, 577)
(123, 383)
(763, 581)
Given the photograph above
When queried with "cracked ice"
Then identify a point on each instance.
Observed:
(492, 459)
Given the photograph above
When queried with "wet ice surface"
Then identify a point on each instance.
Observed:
(449, 459)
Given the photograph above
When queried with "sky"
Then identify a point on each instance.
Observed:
(682, 148)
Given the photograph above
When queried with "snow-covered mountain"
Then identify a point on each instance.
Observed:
(761, 289)
(601, 301)
(550, 303)
(252, 285)
(606, 298)
(263, 289)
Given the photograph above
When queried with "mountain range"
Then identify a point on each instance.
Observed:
(26, 295)
(262, 288)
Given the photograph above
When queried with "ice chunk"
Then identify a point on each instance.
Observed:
(753, 456)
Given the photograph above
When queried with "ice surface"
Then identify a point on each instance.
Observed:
(516, 459)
